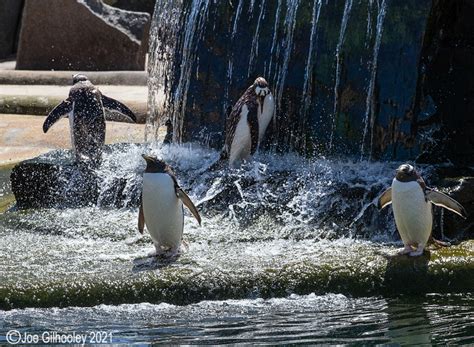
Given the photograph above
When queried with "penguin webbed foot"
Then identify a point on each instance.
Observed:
(406, 250)
(163, 253)
(419, 251)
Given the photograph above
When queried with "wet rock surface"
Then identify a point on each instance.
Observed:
(10, 18)
(95, 37)
(459, 184)
(53, 180)
(445, 84)
(113, 273)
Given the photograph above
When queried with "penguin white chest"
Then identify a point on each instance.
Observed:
(162, 210)
(265, 115)
(242, 141)
(412, 212)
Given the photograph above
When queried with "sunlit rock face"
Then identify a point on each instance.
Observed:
(94, 37)
(350, 77)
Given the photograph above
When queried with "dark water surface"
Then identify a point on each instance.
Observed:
(328, 319)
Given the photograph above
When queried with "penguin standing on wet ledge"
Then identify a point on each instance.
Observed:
(247, 122)
(161, 209)
(412, 203)
(86, 108)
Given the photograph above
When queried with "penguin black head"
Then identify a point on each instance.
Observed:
(261, 87)
(154, 165)
(406, 173)
(79, 78)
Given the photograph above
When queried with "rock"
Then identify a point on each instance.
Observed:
(445, 77)
(460, 188)
(10, 15)
(53, 180)
(356, 270)
(94, 36)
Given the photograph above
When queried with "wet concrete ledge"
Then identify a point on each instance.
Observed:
(356, 271)
(32, 77)
(40, 100)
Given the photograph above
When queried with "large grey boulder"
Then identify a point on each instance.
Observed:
(10, 14)
(81, 35)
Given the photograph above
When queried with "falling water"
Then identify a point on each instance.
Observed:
(275, 50)
(369, 104)
(292, 48)
(287, 46)
(160, 62)
(230, 63)
(368, 33)
(254, 51)
(342, 35)
(308, 82)
(193, 31)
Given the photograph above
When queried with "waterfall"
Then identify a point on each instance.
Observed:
(230, 64)
(287, 45)
(368, 33)
(160, 61)
(320, 57)
(342, 35)
(193, 29)
(275, 36)
(254, 51)
(307, 87)
(369, 104)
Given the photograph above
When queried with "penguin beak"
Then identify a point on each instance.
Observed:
(148, 158)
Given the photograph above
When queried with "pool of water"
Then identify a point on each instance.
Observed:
(284, 255)
(328, 319)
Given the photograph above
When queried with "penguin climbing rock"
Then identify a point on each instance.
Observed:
(412, 203)
(86, 107)
(161, 209)
(247, 122)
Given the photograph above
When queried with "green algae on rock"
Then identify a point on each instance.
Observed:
(92, 274)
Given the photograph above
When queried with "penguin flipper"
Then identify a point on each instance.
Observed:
(189, 204)
(57, 113)
(252, 120)
(115, 105)
(141, 219)
(230, 127)
(385, 199)
(441, 199)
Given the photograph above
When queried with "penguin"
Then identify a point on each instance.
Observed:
(161, 208)
(169, 132)
(247, 122)
(412, 204)
(85, 107)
